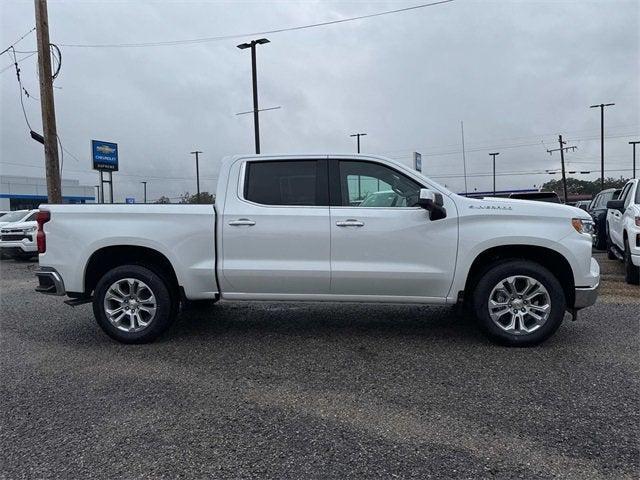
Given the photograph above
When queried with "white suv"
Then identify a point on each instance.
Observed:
(623, 230)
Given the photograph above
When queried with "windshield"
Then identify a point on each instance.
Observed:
(14, 216)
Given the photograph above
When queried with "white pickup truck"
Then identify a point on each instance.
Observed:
(623, 230)
(294, 228)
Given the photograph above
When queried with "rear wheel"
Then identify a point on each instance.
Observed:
(631, 271)
(519, 303)
(132, 304)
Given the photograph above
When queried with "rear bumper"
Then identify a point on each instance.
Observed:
(50, 282)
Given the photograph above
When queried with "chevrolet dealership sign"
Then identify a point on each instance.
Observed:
(104, 155)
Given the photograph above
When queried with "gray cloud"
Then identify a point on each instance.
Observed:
(516, 72)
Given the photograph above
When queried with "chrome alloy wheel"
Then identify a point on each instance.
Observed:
(519, 304)
(130, 305)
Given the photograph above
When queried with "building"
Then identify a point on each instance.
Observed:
(17, 193)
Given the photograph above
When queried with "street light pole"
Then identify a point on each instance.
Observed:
(494, 171)
(196, 153)
(601, 107)
(358, 135)
(254, 77)
(634, 143)
(145, 191)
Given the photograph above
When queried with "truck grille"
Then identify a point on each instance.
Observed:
(16, 237)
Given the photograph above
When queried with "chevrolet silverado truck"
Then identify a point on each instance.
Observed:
(623, 230)
(296, 228)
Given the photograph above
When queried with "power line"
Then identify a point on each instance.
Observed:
(17, 41)
(242, 35)
(11, 65)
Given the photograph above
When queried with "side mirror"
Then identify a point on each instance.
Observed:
(433, 203)
(616, 205)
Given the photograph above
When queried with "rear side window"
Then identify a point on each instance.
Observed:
(291, 182)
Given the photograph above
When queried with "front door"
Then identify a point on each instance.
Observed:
(275, 237)
(383, 245)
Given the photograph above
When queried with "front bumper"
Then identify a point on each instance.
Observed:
(50, 282)
(23, 246)
(585, 297)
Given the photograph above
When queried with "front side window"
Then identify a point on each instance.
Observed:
(368, 184)
(290, 182)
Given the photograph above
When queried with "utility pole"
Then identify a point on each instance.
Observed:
(634, 157)
(358, 135)
(494, 171)
(52, 166)
(196, 153)
(145, 191)
(464, 159)
(601, 107)
(564, 176)
(254, 77)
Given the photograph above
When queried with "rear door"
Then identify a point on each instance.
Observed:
(382, 245)
(275, 237)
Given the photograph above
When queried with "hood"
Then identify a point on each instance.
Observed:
(18, 225)
(512, 206)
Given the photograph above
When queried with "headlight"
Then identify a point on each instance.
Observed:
(30, 229)
(583, 226)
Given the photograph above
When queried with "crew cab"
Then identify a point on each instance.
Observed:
(293, 228)
(623, 230)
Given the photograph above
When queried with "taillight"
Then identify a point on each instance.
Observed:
(41, 239)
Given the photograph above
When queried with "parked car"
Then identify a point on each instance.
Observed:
(283, 229)
(17, 239)
(537, 196)
(598, 211)
(583, 204)
(623, 230)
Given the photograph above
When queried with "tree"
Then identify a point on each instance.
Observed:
(163, 199)
(582, 187)
(205, 197)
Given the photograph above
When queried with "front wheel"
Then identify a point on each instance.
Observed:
(132, 304)
(519, 303)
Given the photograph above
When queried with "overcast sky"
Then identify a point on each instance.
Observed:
(517, 73)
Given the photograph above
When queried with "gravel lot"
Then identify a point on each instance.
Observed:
(316, 391)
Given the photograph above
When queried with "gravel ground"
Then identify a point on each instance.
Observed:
(316, 391)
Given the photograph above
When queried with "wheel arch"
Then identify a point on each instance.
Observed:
(107, 258)
(552, 260)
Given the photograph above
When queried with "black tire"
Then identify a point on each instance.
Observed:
(631, 272)
(496, 274)
(166, 306)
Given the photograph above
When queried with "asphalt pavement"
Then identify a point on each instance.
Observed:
(248, 390)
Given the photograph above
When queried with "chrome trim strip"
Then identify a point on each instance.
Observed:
(585, 297)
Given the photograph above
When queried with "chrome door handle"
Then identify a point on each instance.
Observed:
(242, 221)
(350, 223)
